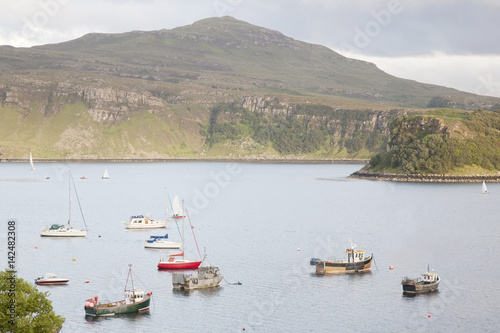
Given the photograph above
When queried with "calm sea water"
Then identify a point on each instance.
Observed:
(252, 219)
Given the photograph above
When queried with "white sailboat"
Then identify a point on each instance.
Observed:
(106, 175)
(66, 230)
(485, 190)
(177, 208)
(31, 163)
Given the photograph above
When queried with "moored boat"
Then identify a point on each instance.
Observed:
(428, 282)
(135, 301)
(144, 222)
(66, 230)
(208, 277)
(50, 279)
(173, 261)
(161, 242)
(354, 263)
(62, 230)
(178, 263)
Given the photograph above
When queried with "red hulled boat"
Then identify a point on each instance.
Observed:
(173, 261)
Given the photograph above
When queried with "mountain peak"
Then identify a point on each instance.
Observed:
(226, 52)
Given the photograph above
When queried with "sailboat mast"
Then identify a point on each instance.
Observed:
(166, 206)
(183, 218)
(69, 186)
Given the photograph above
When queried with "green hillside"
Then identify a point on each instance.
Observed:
(442, 142)
(156, 94)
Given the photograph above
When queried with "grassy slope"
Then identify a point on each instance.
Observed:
(72, 133)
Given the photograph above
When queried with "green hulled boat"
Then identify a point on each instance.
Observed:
(135, 301)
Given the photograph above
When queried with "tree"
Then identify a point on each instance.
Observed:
(24, 309)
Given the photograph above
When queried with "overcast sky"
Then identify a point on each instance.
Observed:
(454, 43)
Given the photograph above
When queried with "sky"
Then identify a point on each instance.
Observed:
(453, 43)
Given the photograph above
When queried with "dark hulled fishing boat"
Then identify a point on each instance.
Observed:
(428, 282)
(135, 301)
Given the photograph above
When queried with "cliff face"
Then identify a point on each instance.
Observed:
(105, 104)
(340, 122)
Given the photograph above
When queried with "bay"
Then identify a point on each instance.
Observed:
(253, 219)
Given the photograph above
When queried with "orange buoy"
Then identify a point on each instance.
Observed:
(86, 281)
(390, 267)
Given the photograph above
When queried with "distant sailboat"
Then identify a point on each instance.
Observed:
(105, 176)
(485, 190)
(31, 163)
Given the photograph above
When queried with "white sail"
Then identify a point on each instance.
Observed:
(31, 163)
(177, 207)
(485, 190)
(106, 176)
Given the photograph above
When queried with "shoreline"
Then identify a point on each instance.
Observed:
(163, 160)
(432, 178)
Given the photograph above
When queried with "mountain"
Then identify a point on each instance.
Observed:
(155, 95)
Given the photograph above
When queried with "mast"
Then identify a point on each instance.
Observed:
(69, 187)
(166, 207)
(131, 280)
(183, 232)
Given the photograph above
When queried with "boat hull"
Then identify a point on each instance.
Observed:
(181, 282)
(163, 245)
(179, 264)
(147, 226)
(51, 282)
(419, 288)
(111, 310)
(64, 233)
(328, 267)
